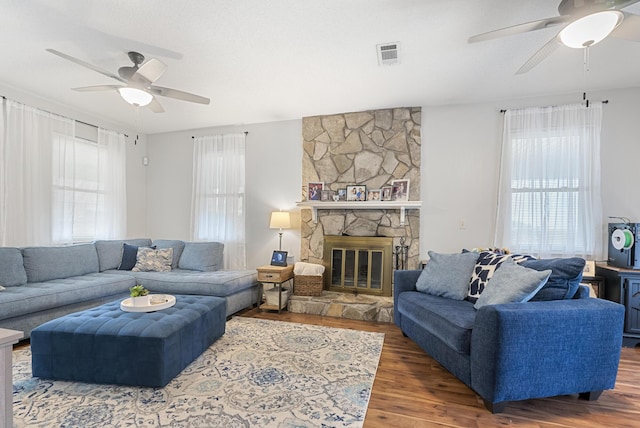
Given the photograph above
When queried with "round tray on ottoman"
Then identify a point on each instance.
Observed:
(169, 300)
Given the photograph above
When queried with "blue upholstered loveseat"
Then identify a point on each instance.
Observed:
(559, 342)
(43, 283)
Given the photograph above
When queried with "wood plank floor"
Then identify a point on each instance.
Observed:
(413, 390)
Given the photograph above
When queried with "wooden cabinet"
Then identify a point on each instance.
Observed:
(623, 286)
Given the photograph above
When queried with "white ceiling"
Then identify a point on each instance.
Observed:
(263, 61)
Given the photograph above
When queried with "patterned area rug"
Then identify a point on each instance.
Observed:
(260, 373)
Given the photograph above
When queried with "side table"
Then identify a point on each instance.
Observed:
(7, 339)
(276, 275)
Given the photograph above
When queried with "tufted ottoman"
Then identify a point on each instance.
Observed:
(107, 345)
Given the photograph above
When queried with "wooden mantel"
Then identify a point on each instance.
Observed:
(360, 205)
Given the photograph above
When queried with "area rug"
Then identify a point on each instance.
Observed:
(261, 373)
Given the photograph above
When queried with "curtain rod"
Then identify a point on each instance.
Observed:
(245, 133)
(603, 102)
(61, 115)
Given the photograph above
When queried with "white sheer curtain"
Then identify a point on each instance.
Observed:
(89, 188)
(218, 195)
(549, 195)
(25, 176)
(46, 195)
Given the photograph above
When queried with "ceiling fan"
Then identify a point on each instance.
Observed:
(586, 22)
(136, 86)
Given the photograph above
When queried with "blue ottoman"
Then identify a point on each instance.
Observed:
(107, 345)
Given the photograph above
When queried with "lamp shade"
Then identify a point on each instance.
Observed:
(134, 96)
(590, 29)
(280, 220)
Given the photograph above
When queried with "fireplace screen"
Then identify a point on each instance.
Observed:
(358, 264)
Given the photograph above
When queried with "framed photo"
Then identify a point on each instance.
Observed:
(387, 191)
(400, 191)
(374, 195)
(342, 194)
(357, 193)
(279, 258)
(326, 195)
(315, 191)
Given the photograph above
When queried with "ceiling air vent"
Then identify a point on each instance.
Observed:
(388, 53)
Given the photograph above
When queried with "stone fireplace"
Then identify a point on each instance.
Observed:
(371, 149)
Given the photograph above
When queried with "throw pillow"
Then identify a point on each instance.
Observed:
(565, 277)
(447, 275)
(487, 264)
(130, 256)
(512, 283)
(150, 260)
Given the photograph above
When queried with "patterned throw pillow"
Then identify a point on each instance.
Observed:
(486, 265)
(150, 260)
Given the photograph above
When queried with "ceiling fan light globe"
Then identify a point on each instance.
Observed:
(590, 29)
(136, 97)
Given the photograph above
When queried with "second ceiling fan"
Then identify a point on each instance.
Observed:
(586, 22)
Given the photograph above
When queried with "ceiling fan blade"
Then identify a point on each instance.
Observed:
(97, 88)
(179, 95)
(621, 4)
(521, 28)
(539, 56)
(150, 71)
(629, 29)
(155, 106)
(86, 64)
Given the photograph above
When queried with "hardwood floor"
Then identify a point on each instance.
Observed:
(413, 390)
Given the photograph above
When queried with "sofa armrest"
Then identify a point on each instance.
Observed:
(403, 280)
(543, 349)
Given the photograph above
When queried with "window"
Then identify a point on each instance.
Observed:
(218, 201)
(88, 200)
(549, 202)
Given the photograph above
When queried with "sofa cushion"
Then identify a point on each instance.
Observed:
(220, 283)
(41, 296)
(178, 248)
(110, 251)
(564, 281)
(45, 263)
(202, 256)
(447, 275)
(488, 262)
(11, 267)
(150, 260)
(449, 320)
(511, 284)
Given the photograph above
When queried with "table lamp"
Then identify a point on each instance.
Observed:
(280, 220)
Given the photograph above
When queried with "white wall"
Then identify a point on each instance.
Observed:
(273, 179)
(461, 155)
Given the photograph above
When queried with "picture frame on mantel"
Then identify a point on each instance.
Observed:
(357, 193)
(400, 190)
(387, 191)
(314, 192)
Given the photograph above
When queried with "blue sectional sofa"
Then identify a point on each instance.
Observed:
(558, 341)
(43, 283)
